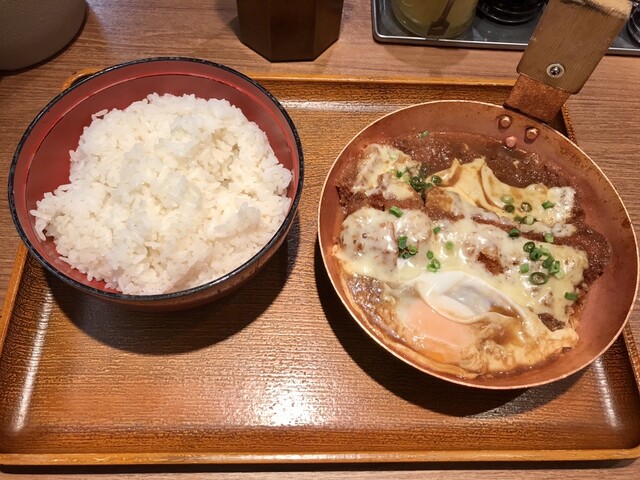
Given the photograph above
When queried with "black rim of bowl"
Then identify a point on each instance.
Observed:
(182, 293)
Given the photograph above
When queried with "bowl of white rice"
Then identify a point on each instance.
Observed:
(159, 184)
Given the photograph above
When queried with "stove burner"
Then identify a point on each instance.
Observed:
(511, 11)
(633, 25)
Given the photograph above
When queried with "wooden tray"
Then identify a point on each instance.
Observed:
(279, 372)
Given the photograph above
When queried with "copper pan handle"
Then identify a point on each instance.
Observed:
(567, 45)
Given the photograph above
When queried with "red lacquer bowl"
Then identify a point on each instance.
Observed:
(41, 162)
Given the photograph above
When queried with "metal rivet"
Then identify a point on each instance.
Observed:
(555, 70)
(531, 133)
(510, 141)
(504, 121)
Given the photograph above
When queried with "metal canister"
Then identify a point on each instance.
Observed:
(435, 18)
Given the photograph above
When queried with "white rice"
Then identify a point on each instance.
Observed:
(167, 194)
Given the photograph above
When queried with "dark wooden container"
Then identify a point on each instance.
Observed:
(281, 30)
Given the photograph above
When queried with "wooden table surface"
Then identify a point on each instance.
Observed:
(605, 116)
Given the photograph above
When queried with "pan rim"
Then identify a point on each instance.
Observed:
(452, 379)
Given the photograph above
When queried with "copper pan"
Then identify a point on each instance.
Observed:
(569, 42)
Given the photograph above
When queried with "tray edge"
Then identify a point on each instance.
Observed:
(158, 458)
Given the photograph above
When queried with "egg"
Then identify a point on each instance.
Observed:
(459, 289)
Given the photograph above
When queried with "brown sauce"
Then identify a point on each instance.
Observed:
(515, 167)
(436, 152)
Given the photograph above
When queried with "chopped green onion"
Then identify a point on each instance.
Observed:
(524, 268)
(424, 134)
(529, 220)
(548, 204)
(571, 296)
(514, 233)
(405, 251)
(525, 206)
(535, 254)
(399, 174)
(538, 278)
(437, 230)
(509, 208)
(555, 268)
(528, 247)
(434, 266)
(395, 211)
(544, 252)
(429, 254)
(559, 275)
(518, 219)
(408, 252)
(548, 237)
(506, 199)
(548, 262)
(417, 183)
(436, 180)
(449, 245)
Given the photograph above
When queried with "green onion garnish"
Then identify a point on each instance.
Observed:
(571, 296)
(424, 134)
(434, 266)
(506, 199)
(528, 247)
(525, 206)
(509, 208)
(429, 254)
(535, 254)
(518, 219)
(405, 251)
(436, 180)
(559, 275)
(529, 220)
(395, 211)
(449, 245)
(555, 268)
(548, 262)
(410, 251)
(548, 204)
(538, 278)
(548, 237)
(437, 230)
(524, 268)
(544, 252)
(514, 233)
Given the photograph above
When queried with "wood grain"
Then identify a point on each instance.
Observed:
(605, 116)
(251, 379)
(574, 35)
